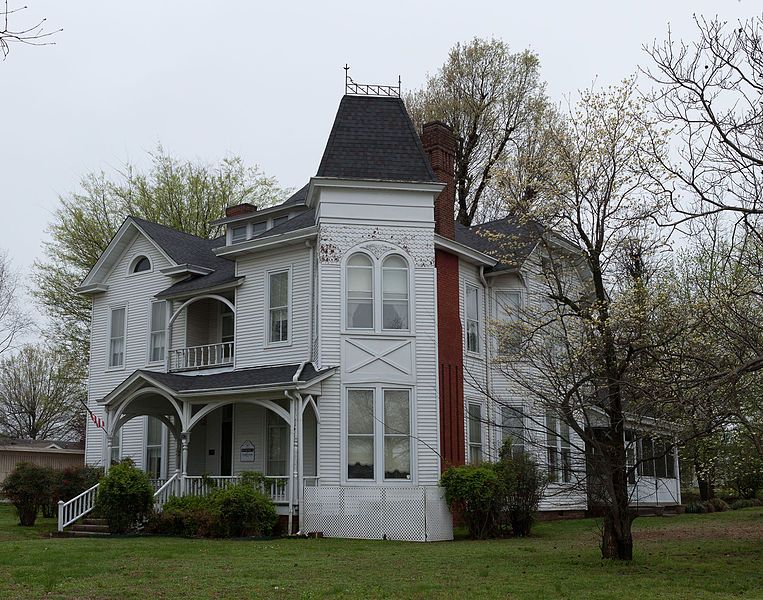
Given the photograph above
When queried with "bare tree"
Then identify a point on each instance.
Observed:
(13, 321)
(40, 396)
(32, 34)
(495, 101)
(591, 349)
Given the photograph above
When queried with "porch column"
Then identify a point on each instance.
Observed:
(185, 438)
(294, 438)
(109, 445)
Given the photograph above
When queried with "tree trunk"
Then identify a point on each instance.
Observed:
(616, 538)
(706, 489)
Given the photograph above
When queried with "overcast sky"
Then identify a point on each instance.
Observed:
(263, 80)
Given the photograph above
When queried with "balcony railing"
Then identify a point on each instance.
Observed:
(201, 357)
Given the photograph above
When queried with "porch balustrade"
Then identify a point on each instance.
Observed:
(275, 487)
(201, 357)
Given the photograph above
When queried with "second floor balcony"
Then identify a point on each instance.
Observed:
(202, 334)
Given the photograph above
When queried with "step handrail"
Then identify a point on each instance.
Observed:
(166, 490)
(77, 507)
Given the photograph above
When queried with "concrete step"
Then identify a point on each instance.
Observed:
(94, 522)
(76, 533)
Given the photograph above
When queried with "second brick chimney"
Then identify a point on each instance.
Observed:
(240, 209)
(440, 145)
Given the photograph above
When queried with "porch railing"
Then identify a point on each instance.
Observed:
(77, 507)
(275, 487)
(171, 487)
(201, 357)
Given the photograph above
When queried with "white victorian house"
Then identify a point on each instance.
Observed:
(322, 342)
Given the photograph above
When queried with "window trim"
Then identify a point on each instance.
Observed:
(163, 448)
(469, 444)
(379, 478)
(151, 331)
(109, 366)
(467, 288)
(378, 294)
(498, 318)
(268, 309)
(134, 263)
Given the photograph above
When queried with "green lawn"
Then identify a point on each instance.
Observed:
(691, 556)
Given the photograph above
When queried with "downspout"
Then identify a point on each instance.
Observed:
(313, 303)
(488, 366)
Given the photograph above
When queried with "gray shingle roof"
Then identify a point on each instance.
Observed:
(374, 138)
(275, 375)
(301, 221)
(507, 240)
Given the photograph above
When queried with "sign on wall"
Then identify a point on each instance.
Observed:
(246, 452)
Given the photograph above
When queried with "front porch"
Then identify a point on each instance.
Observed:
(206, 431)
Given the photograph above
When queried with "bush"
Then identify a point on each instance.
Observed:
(244, 511)
(717, 505)
(124, 497)
(474, 493)
(746, 503)
(236, 511)
(522, 486)
(67, 484)
(695, 508)
(28, 489)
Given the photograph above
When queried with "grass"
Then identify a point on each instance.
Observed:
(692, 556)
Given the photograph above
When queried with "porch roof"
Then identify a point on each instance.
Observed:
(292, 376)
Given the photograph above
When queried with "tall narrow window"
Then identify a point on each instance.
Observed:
(116, 448)
(397, 431)
(158, 330)
(360, 292)
(630, 455)
(360, 434)
(507, 309)
(552, 451)
(154, 448)
(278, 445)
(475, 433)
(117, 338)
(395, 293)
(514, 429)
(646, 467)
(472, 319)
(564, 451)
(279, 306)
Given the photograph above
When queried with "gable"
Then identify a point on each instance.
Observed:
(119, 247)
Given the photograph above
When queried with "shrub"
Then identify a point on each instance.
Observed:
(68, 483)
(522, 486)
(695, 508)
(244, 511)
(124, 497)
(474, 493)
(28, 489)
(717, 505)
(237, 511)
(746, 503)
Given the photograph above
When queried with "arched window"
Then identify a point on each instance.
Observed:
(394, 292)
(140, 264)
(360, 292)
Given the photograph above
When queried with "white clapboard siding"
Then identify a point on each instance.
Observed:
(135, 292)
(252, 348)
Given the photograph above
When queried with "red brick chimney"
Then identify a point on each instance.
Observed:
(240, 209)
(440, 145)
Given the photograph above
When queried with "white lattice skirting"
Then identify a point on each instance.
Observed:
(417, 514)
